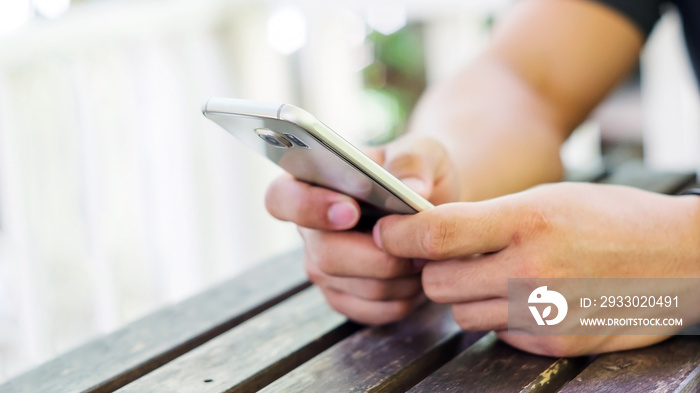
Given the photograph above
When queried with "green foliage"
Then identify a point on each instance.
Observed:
(396, 78)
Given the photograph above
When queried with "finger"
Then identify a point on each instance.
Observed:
(354, 254)
(466, 280)
(449, 231)
(491, 314)
(367, 288)
(371, 312)
(402, 288)
(423, 165)
(308, 206)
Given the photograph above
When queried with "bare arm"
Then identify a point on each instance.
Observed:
(504, 117)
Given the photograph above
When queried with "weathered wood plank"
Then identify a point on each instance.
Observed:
(634, 174)
(493, 366)
(559, 373)
(691, 384)
(664, 367)
(382, 359)
(121, 357)
(256, 352)
(389, 358)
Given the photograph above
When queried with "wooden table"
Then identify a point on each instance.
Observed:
(270, 330)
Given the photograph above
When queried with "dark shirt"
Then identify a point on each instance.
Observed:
(645, 14)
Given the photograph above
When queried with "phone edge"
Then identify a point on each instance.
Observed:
(323, 133)
(371, 168)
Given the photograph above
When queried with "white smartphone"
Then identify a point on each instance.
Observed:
(311, 152)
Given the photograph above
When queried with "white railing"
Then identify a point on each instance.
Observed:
(116, 195)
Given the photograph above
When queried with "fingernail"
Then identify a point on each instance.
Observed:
(342, 214)
(415, 184)
(418, 264)
(376, 235)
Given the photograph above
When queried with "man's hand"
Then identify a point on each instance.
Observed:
(553, 231)
(357, 278)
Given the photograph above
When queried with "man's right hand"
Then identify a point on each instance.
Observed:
(358, 279)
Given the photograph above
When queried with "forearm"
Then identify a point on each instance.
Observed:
(501, 136)
(504, 117)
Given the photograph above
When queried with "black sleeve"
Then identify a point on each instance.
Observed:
(643, 13)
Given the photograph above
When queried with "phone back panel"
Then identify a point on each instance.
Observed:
(313, 161)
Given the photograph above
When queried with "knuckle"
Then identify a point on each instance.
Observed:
(437, 237)
(537, 219)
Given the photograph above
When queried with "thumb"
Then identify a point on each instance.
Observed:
(448, 231)
(423, 165)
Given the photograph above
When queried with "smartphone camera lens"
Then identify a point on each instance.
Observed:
(272, 141)
(273, 138)
(296, 140)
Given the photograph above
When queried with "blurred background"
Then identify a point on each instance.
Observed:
(118, 197)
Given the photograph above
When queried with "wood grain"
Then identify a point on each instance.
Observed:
(493, 366)
(664, 367)
(382, 359)
(691, 384)
(299, 344)
(256, 352)
(121, 357)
